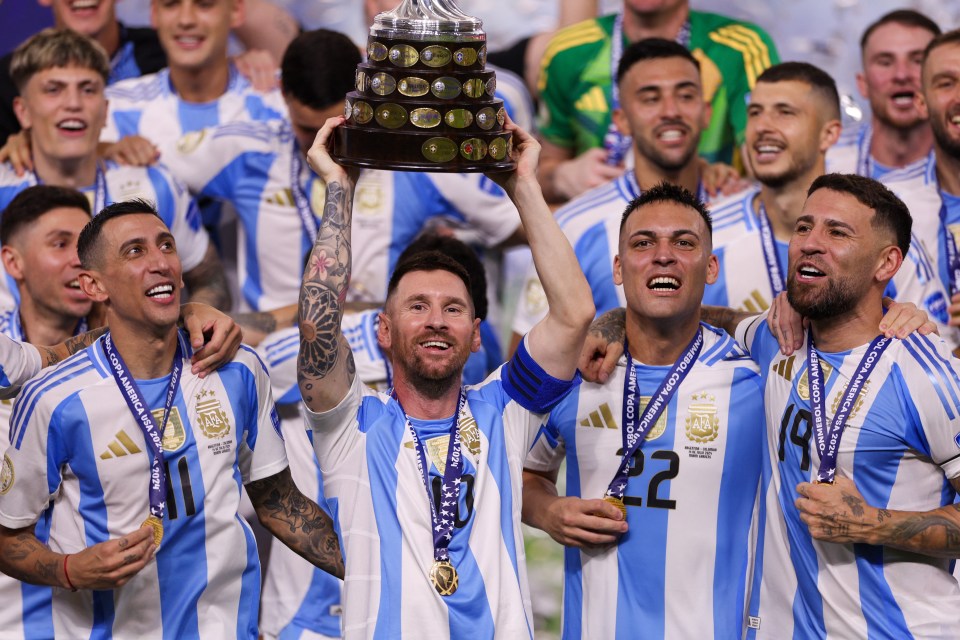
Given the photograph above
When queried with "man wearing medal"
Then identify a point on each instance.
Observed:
(793, 118)
(863, 438)
(427, 480)
(663, 459)
(138, 507)
(932, 191)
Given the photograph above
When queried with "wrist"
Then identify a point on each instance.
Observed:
(66, 581)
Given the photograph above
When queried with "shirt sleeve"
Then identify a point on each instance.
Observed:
(262, 453)
(19, 361)
(31, 472)
(336, 432)
(530, 386)
(547, 454)
(916, 281)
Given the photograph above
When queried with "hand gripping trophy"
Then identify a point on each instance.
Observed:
(423, 101)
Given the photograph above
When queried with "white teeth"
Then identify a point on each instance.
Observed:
(74, 284)
(903, 100)
(955, 119)
(436, 343)
(810, 271)
(160, 289)
(73, 125)
(84, 4)
(767, 148)
(664, 282)
(188, 40)
(672, 134)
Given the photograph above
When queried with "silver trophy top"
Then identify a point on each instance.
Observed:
(427, 19)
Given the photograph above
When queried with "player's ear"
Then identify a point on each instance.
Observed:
(383, 330)
(713, 269)
(92, 285)
(617, 270)
(12, 262)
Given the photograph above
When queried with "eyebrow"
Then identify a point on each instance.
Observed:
(830, 222)
(676, 233)
(422, 297)
(688, 84)
(163, 236)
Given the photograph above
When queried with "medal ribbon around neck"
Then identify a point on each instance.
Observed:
(441, 520)
(953, 259)
(617, 144)
(99, 189)
(152, 433)
(300, 199)
(828, 437)
(634, 430)
(769, 245)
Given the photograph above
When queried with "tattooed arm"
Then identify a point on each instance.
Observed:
(838, 513)
(297, 521)
(257, 325)
(106, 565)
(52, 355)
(325, 367)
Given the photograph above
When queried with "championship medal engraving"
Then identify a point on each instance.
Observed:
(156, 524)
(444, 577)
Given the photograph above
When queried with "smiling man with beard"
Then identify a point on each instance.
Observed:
(450, 565)
(863, 438)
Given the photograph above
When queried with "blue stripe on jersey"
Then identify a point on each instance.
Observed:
(249, 605)
(766, 475)
(525, 381)
(243, 180)
(599, 272)
(650, 523)
(27, 400)
(586, 204)
(166, 204)
(926, 355)
(123, 65)
(730, 564)
(36, 600)
(489, 418)
(880, 609)
(186, 533)
(322, 595)
(194, 117)
(258, 110)
(382, 441)
(127, 122)
(566, 413)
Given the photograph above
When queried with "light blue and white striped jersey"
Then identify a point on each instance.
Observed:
(376, 492)
(19, 362)
(744, 282)
(591, 223)
(851, 154)
(154, 184)
(681, 570)
(900, 446)
(249, 165)
(919, 190)
(150, 107)
(76, 448)
(299, 601)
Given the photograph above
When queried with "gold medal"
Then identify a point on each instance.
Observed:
(444, 577)
(618, 503)
(156, 524)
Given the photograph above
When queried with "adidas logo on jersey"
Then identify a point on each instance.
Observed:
(283, 197)
(602, 417)
(756, 303)
(784, 368)
(593, 100)
(122, 445)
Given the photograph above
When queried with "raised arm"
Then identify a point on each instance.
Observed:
(556, 340)
(325, 367)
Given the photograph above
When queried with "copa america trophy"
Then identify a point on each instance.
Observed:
(423, 101)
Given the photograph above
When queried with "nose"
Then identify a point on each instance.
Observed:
(186, 13)
(663, 254)
(669, 107)
(74, 101)
(160, 261)
(812, 242)
(436, 319)
(903, 71)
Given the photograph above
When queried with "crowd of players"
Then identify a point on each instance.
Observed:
(760, 433)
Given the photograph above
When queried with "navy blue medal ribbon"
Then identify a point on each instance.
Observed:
(443, 515)
(634, 427)
(99, 189)
(152, 433)
(770, 257)
(827, 437)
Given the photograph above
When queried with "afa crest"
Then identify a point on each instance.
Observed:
(702, 424)
(189, 142)
(211, 419)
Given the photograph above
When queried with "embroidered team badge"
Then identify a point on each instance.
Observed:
(6, 475)
(702, 423)
(189, 142)
(173, 434)
(211, 419)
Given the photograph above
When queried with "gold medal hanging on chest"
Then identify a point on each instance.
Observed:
(618, 503)
(444, 577)
(156, 524)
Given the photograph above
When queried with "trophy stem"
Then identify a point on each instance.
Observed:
(427, 19)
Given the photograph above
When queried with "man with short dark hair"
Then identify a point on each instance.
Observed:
(663, 459)
(898, 135)
(416, 566)
(664, 112)
(61, 75)
(861, 434)
(173, 462)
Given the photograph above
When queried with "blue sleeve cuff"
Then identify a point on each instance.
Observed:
(530, 386)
